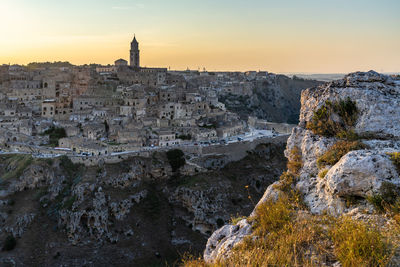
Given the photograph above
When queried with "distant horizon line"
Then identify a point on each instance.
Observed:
(207, 70)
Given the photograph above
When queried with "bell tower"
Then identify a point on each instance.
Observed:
(134, 54)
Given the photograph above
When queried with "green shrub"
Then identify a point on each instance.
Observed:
(176, 159)
(388, 197)
(357, 244)
(322, 122)
(236, 219)
(377, 202)
(337, 151)
(9, 243)
(55, 134)
(347, 110)
(349, 135)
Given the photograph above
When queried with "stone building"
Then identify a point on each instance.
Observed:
(121, 62)
(167, 138)
(134, 74)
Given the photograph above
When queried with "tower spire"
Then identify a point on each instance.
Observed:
(135, 53)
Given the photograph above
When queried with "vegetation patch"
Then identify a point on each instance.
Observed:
(337, 151)
(289, 177)
(9, 243)
(71, 169)
(176, 159)
(284, 236)
(54, 135)
(335, 119)
(69, 203)
(184, 137)
(295, 161)
(323, 173)
(358, 244)
(16, 165)
(236, 219)
(395, 157)
(388, 198)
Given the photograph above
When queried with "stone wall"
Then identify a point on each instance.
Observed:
(231, 152)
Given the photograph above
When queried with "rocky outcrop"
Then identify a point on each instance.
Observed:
(205, 206)
(224, 239)
(359, 174)
(20, 225)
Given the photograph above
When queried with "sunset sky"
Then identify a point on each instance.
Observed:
(314, 36)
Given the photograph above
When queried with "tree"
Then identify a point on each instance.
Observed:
(176, 159)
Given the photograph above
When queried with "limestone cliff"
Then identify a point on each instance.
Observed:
(348, 132)
(136, 212)
(277, 99)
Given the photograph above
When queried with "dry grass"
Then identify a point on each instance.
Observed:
(337, 151)
(358, 244)
(285, 236)
(395, 157)
(323, 173)
(236, 219)
(289, 177)
(281, 238)
(295, 161)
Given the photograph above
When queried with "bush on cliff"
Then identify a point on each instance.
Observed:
(335, 119)
(395, 157)
(295, 161)
(388, 198)
(337, 151)
(176, 159)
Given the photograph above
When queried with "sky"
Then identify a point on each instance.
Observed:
(307, 36)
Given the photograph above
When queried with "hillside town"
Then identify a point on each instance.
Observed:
(97, 110)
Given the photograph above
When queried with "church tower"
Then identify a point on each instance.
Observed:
(134, 57)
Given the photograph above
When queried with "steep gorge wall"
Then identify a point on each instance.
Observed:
(360, 168)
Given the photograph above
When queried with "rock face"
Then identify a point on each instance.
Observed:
(276, 98)
(225, 238)
(359, 173)
(135, 212)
